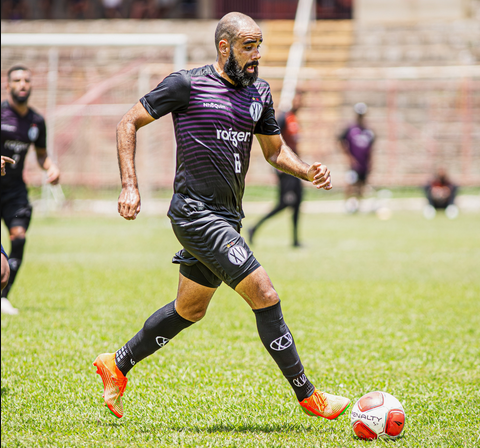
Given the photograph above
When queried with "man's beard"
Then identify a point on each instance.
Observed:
(239, 75)
(20, 99)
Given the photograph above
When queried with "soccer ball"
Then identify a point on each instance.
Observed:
(378, 414)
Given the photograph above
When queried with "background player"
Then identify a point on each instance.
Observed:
(5, 266)
(290, 187)
(21, 127)
(357, 143)
(216, 109)
(441, 193)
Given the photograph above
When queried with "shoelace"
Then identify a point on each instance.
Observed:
(320, 400)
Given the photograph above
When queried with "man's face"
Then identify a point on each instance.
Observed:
(242, 63)
(19, 86)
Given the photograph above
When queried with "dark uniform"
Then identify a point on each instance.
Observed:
(214, 126)
(18, 133)
(290, 187)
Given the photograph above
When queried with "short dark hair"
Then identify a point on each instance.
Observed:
(15, 68)
(227, 31)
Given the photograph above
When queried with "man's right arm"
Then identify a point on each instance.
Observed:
(129, 199)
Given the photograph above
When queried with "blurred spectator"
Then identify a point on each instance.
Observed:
(112, 9)
(290, 187)
(143, 9)
(14, 10)
(441, 193)
(77, 9)
(357, 143)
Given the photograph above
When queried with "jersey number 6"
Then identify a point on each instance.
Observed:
(238, 164)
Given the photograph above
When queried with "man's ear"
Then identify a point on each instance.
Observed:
(224, 48)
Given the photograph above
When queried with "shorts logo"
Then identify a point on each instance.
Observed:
(161, 341)
(300, 381)
(256, 110)
(282, 343)
(33, 133)
(237, 255)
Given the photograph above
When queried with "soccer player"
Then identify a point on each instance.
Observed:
(21, 127)
(216, 111)
(357, 143)
(290, 187)
(441, 193)
(5, 267)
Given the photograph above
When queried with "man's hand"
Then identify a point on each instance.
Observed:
(129, 203)
(4, 161)
(53, 174)
(319, 175)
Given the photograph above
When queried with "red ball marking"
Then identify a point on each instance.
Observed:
(395, 422)
(363, 431)
(370, 401)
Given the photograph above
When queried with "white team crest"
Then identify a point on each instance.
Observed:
(33, 133)
(256, 110)
(237, 255)
(282, 343)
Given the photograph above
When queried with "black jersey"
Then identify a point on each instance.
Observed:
(214, 122)
(18, 133)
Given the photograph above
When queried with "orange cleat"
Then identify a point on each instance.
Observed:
(321, 404)
(114, 382)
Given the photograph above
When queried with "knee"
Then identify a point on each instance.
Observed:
(193, 313)
(270, 298)
(17, 233)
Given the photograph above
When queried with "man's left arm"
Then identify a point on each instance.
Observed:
(45, 162)
(281, 157)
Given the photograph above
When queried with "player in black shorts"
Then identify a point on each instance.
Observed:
(5, 266)
(21, 127)
(290, 187)
(216, 110)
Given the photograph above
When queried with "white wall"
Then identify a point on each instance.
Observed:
(381, 11)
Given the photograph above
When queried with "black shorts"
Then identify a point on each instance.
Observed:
(15, 209)
(291, 190)
(213, 250)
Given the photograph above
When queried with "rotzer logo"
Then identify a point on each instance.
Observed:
(233, 136)
(237, 255)
(282, 343)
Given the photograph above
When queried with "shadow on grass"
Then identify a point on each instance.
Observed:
(4, 391)
(243, 428)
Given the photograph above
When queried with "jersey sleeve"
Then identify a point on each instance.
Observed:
(41, 141)
(267, 125)
(171, 95)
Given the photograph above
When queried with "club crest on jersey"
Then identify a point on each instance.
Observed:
(33, 133)
(256, 109)
(237, 255)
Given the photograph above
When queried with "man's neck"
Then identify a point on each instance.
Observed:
(222, 73)
(21, 109)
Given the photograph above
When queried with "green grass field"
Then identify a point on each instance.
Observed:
(373, 305)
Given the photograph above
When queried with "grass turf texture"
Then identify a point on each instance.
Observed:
(373, 305)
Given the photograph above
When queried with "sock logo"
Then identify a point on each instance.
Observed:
(282, 343)
(300, 381)
(132, 362)
(161, 341)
